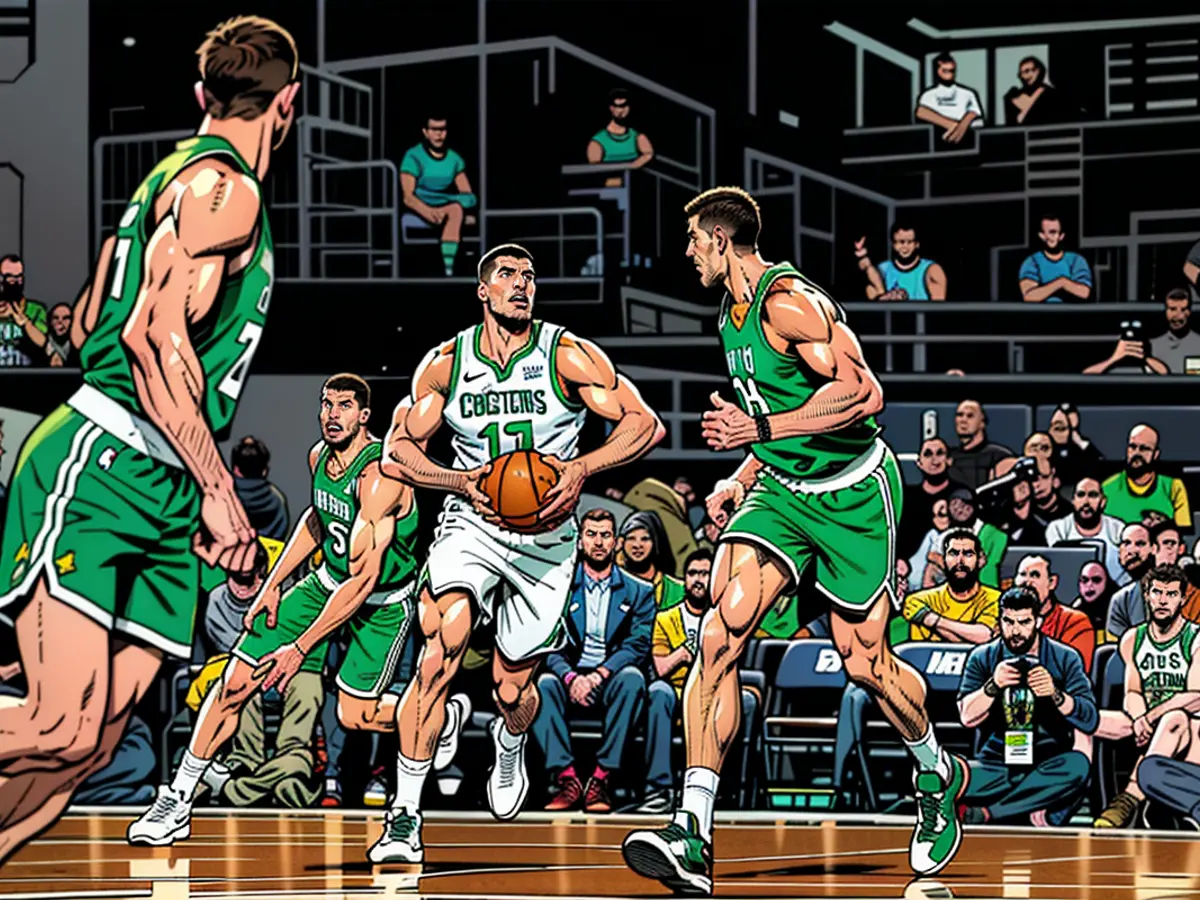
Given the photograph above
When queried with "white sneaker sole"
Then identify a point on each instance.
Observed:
(507, 814)
(182, 833)
(649, 856)
(447, 747)
(400, 854)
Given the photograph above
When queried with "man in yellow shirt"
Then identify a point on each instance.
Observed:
(961, 610)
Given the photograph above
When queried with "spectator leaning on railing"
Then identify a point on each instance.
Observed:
(1030, 698)
(948, 105)
(906, 276)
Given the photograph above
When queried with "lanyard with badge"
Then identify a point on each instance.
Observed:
(1018, 717)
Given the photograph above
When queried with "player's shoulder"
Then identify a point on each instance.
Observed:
(314, 454)
(216, 204)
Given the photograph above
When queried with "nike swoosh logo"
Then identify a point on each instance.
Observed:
(473, 377)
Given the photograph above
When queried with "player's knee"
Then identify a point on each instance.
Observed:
(629, 681)
(508, 694)
(862, 668)
(353, 714)
(661, 696)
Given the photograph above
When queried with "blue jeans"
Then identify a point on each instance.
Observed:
(619, 704)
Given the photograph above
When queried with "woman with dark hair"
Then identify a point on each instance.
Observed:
(1095, 591)
(646, 553)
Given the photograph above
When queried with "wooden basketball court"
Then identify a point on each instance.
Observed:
(276, 855)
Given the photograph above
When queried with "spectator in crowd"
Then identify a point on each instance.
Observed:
(961, 507)
(948, 105)
(23, 322)
(1132, 355)
(919, 499)
(919, 561)
(610, 620)
(654, 496)
(59, 349)
(646, 553)
(962, 609)
(1052, 498)
(975, 455)
(1026, 681)
(617, 143)
(434, 184)
(1036, 101)
(692, 502)
(1059, 622)
(1140, 552)
(676, 635)
(1141, 488)
(1178, 343)
(265, 504)
(906, 276)
(1089, 523)
(1170, 549)
(1073, 455)
(228, 603)
(1160, 667)
(1018, 519)
(1096, 591)
(1054, 273)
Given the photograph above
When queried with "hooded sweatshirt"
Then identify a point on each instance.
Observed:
(266, 507)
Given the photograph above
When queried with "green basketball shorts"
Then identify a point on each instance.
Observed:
(845, 525)
(377, 632)
(109, 527)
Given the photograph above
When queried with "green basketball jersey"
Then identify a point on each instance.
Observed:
(1163, 667)
(224, 340)
(767, 381)
(336, 503)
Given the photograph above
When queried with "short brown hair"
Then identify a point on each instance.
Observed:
(731, 208)
(244, 63)
(488, 264)
(347, 381)
(600, 514)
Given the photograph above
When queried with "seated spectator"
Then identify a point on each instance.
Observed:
(610, 620)
(918, 563)
(906, 276)
(948, 105)
(434, 184)
(1139, 554)
(1068, 626)
(1140, 488)
(1054, 273)
(1017, 519)
(1169, 549)
(1031, 700)
(1162, 674)
(1096, 590)
(674, 648)
(936, 484)
(1088, 523)
(1131, 355)
(59, 349)
(1179, 342)
(23, 322)
(265, 504)
(975, 456)
(645, 552)
(652, 495)
(1036, 101)
(1051, 500)
(1074, 455)
(993, 540)
(617, 142)
(962, 609)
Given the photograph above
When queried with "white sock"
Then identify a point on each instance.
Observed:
(188, 775)
(216, 776)
(508, 740)
(699, 794)
(929, 755)
(410, 781)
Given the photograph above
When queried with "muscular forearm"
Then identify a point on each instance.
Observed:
(304, 540)
(971, 633)
(1043, 291)
(833, 406)
(632, 437)
(1077, 289)
(1135, 705)
(1188, 701)
(341, 605)
(35, 334)
(974, 708)
(875, 285)
(666, 665)
(925, 114)
(406, 461)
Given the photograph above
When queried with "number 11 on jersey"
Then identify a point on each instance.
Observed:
(752, 401)
(522, 431)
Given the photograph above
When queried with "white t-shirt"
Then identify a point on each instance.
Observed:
(953, 101)
(691, 627)
(1064, 529)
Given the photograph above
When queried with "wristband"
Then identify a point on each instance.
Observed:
(764, 428)
(1059, 697)
(991, 688)
(569, 677)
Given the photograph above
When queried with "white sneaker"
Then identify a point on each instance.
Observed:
(169, 819)
(401, 838)
(507, 782)
(458, 714)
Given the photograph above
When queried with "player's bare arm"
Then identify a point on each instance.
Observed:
(728, 493)
(304, 540)
(214, 212)
(1135, 702)
(587, 372)
(382, 501)
(1188, 699)
(91, 298)
(801, 322)
(415, 421)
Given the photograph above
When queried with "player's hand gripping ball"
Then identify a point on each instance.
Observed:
(517, 485)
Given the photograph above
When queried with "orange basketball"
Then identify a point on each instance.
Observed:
(517, 486)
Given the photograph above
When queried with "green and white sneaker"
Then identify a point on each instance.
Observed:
(938, 833)
(401, 838)
(676, 856)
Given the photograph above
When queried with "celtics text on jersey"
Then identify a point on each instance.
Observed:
(493, 410)
(767, 381)
(225, 340)
(335, 500)
(1163, 667)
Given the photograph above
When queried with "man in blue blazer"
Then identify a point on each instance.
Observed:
(601, 674)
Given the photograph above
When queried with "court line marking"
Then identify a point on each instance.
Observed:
(952, 885)
(63, 895)
(122, 860)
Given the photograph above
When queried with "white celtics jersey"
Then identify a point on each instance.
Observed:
(494, 410)
(1163, 667)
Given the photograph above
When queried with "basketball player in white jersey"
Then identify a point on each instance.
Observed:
(511, 382)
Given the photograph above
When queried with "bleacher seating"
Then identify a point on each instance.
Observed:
(1109, 427)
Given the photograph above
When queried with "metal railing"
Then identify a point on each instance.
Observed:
(321, 210)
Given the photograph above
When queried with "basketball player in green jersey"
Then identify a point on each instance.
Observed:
(818, 488)
(116, 493)
(366, 528)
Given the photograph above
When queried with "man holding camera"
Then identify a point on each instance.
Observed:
(1032, 702)
(1131, 355)
(1012, 507)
